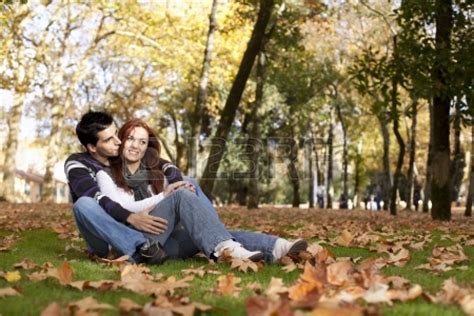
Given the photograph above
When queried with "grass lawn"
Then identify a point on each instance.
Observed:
(42, 244)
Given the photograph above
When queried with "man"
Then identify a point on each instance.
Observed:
(121, 228)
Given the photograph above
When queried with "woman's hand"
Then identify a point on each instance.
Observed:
(177, 185)
(148, 223)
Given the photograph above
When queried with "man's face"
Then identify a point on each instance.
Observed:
(107, 145)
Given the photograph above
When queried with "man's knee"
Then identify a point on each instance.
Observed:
(87, 206)
(84, 202)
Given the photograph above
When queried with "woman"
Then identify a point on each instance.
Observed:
(141, 179)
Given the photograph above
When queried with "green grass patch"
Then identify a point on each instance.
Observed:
(44, 246)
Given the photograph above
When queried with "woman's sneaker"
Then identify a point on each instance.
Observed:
(236, 250)
(284, 247)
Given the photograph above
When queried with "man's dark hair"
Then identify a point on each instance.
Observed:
(90, 125)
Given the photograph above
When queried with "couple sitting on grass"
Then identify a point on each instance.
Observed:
(130, 199)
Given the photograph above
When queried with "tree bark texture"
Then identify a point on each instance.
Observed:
(218, 142)
(202, 92)
(411, 159)
(440, 190)
(254, 137)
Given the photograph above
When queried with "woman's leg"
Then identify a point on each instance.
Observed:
(204, 228)
(267, 244)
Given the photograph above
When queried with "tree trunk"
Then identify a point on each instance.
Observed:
(440, 190)
(254, 137)
(345, 160)
(429, 165)
(228, 113)
(57, 121)
(357, 172)
(396, 131)
(329, 185)
(387, 181)
(202, 92)
(458, 163)
(468, 210)
(178, 145)
(293, 172)
(11, 146)
(309, 159)
(411, 162)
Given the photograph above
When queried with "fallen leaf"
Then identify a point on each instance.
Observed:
(127, 305)
(399, 259)
(344, 239)
(245, 265)
(275, 288)
(26, 264)
(338, 273)
(310, 283)
(87, 304)
(467, 304)
(8, 291)
(227, 285)
(65, 273)
(259, 305)
(53, 309)
(377, 294)
(12, 276)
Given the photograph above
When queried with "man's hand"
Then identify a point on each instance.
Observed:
(148, 223)
(177, 185)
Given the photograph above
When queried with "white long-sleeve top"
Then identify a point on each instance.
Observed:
(126, 199)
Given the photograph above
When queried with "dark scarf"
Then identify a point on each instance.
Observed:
(138, 182)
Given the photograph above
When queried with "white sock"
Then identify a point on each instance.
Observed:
(223, 245)
(280, 249)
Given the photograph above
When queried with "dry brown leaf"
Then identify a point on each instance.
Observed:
(8, 291)
(245, 265)
(26, 264)
(65, 273)
(378, 293)
(339, 311)
(399, 259)
(53, 309)
(338, 273)
(310, 283)
(227, 285)
(467, 304)
(275, 288)
(344, 239)
(404, 295)
(170, 284)
(127, 305)
(258, 306)
(87, 304)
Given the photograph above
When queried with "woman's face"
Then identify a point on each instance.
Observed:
(135, 145)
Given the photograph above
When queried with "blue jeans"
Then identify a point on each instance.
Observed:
(193, 226)
(100, 230)
(181, 244)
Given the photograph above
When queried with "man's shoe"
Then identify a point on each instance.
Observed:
(152, 252)
(285, 248)
(236, 250)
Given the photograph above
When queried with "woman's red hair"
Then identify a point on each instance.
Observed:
(151, 159)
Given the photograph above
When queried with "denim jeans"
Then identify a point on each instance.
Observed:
(194, 226)
(182, 243)
(100, 230)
